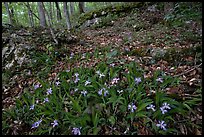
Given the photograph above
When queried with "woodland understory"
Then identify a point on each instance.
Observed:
(102, 78)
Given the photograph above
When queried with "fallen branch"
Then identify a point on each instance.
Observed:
(189, 70)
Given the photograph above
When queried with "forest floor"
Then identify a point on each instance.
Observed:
(139, 37)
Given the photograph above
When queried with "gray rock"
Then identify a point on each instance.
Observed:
(91, 22)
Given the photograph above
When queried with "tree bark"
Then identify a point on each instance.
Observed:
(51, 11)
(81, 7)
(8, 12)
(71, 5)
(66, 13)
(33, 13)
(50, 26)
(41, 14)
(14, 21)
(30, 15)
(59, 16)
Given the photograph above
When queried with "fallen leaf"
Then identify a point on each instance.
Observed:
(197, 132)
(173, 91)
(193, 79)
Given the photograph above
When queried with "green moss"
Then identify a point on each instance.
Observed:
(108, 10)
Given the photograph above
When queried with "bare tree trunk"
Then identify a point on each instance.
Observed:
(41, 14)
(30, 15)
(32, 12)
(71, 5)
(81, 7)
(8, 12)
(67, 16)
(14, 21)
(51, 11)
(59, 16)
(50, 25)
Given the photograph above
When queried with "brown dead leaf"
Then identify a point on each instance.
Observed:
(173, 90)
(199, 70)
(192, 73)
(198, 132)
(190, 59)
(182, 129)
(193, 79)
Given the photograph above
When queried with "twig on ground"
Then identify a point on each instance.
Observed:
(195, 59)
(189, 70)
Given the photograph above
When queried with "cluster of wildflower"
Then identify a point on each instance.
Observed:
(76, 131)
(100, 74)
(132, 107)
(162, 125)
(151, 107)
(57, 83)
(87, 82)
(55, 123)
(120, 91)
(159, 80)
(84, 92)
(32, 107)
(100, 92)
(164, 108)
(37, 86)
(138, 80)
(36, 124)
(112, 64)
(115, 81)
(75, 90)
(49, 91)
(77, 78)
(46, 100)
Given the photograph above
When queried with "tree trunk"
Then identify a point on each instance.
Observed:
(71, 5)
(8, 12)
(50, 25)
(41, 14)
(51, 11)
(81, 7)
(67, 16)
(30, 15)
(168, 7)
(59, 16)
(14, 21)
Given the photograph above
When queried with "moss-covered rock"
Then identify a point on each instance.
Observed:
(115, 9)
